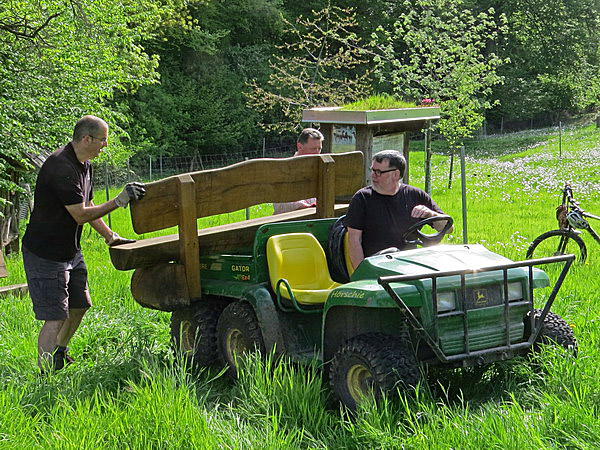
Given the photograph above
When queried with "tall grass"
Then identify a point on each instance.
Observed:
(127, 391)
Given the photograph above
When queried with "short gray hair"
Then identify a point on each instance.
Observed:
(394, 158)
(309, 133)
(87, 126)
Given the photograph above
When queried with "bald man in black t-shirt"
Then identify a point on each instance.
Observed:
(54, 266)
(378, 215)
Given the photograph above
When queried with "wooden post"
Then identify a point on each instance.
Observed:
(327, 130)
(364, 143)
(463, 179)
(406, 153)
(428, 159)
(189, 252)
(326, 195)
(3, 272)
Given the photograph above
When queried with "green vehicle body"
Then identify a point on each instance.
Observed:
(393, 294)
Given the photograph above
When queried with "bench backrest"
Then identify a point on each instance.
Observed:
(181, 199)
(249, 183)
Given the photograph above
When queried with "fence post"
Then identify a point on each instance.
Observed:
(559, 139)
(150, 166)
(107, 194)
(428, 159)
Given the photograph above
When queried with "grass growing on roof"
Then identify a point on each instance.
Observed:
(380, 101)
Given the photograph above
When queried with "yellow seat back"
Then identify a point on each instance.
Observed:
(299, 259)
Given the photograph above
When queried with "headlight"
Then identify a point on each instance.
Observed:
(515, 291)
(445, 301)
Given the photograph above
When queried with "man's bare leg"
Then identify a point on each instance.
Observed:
(70, 326)
(47, 343)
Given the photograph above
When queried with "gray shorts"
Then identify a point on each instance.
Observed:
(56, 286)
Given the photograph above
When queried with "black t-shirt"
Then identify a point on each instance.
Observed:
(52, 233)
(383, 219)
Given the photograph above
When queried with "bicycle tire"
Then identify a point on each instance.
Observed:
(541, 249)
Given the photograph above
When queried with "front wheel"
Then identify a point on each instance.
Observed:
(371, 364)
(557, 242)
(555, 330)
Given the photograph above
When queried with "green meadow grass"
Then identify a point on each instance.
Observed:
(127, 391)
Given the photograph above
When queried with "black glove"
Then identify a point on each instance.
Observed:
(115, 239)
(131, 191)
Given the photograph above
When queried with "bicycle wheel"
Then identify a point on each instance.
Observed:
(557, 242)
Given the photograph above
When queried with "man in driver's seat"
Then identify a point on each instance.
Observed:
(379, 214)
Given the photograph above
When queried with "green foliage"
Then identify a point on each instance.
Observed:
(381, 101)
(321, 64)
(553, 46)
(60, 60)
(439, 49)
(192, 111)
(199, 106)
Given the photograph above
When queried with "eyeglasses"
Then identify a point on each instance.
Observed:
(381, 172)
(103, 140)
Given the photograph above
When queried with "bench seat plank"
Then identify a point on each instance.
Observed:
(219, 239)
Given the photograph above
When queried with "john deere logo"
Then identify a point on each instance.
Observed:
(479, 297)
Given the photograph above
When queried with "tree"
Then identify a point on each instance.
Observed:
(321, 64)
(199, 106)
(555, 57)
(61, 59)
(441, 50)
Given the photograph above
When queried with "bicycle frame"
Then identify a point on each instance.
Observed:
(573, 205)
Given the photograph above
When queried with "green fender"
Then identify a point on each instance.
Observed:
(361, 307)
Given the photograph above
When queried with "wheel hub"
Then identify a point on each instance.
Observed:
(187, 341)
(235, 345)
(359, 381)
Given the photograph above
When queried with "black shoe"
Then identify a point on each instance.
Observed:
(61, 357)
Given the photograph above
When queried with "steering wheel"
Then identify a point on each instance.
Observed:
(427, 239)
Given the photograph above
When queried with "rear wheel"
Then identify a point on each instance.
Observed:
(557, 242)
(555, 331)
(194, 331)
(238, 333)
(371, 364)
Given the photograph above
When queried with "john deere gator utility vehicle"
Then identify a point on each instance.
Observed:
(284, 283)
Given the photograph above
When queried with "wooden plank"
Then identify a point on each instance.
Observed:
(245, 184)
(3, 272)
(220, 239)
(189, 252)
(326, 195)
(14, 289)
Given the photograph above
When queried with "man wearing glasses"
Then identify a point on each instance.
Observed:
(54, 266)
(378, 215)
(310, 142)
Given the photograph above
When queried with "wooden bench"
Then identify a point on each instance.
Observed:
(180, 200)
